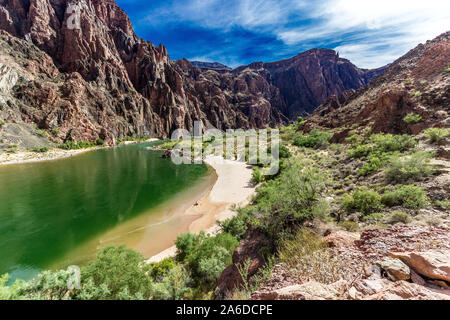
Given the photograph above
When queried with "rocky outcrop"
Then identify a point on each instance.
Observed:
(379, 289)
(395, 269)
(310, 78)
(418, 83)
(433, 264)
(382, 266)
(250, 252)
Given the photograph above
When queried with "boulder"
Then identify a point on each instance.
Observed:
(395, 269)
(433, 264)
(311, 290)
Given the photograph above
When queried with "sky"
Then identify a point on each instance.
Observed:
(371, 34)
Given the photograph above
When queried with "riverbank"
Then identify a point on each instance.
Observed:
(233, 187)
(23, 156)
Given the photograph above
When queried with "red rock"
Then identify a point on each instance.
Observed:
(434, 264)
(415, 83)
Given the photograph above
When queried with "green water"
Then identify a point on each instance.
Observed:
(49, 208)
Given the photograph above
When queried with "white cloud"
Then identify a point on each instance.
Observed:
(384, 29)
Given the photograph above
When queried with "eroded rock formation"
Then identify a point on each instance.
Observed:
(99, 80)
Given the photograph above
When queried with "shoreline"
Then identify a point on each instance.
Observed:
(233, 187)
(21, 157)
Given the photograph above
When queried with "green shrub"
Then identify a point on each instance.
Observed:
(364, 201)
(237, 226)
(354, 138)
(161, 269)
(71, 145)
(374, 164)
(391, 143)
(12, 148)
(284, 153)
(185, 244)
(316, 139)
(2, 124)
(121, 270)
(40, 133)
(100, 142)
(174, 285)
(437, 135)
(445, 204)
(412, 118)
(55, 131)
(409, 168)
(289, 200)
(209, 256)
(398, 217)
(257, 176)
(409, 196)
(39, 149)
(349, 226)
(360, 151)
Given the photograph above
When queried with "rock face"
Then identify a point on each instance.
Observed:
(251, 250)
(396, 270)
(380, 289)
(99, 80)
(310, 78)
(434, 264)
(418, 83)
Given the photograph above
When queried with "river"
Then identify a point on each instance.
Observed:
(59, 213)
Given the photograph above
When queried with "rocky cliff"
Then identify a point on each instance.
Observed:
(418, 83)
(94, 78)
(308, 79)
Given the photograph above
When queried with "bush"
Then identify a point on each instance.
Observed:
(437, 135)
(257, 176)
(391, 143)
(412, 118)
(161, 269)
(285, 153)
(349, 226)
(360, 151)
(174, 286)
(315, 139)
(364, 201)
(100, 142)
(40, 133)
(409, 196)
(39, 149)
(289, 200)
(121, 270)
(409, 168)
(2, 124)
(374, 164)
(71, 145)
(237, 226)
(398, 217)
(210, 256)
(306, 256)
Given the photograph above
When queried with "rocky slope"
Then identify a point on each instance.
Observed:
(309, 78)
(418, 83)
(99, 80)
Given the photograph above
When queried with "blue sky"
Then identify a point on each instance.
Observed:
(236, 32)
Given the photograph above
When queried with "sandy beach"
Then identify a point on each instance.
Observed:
(233, 187)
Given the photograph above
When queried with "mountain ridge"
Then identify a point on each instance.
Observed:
(111, 84)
